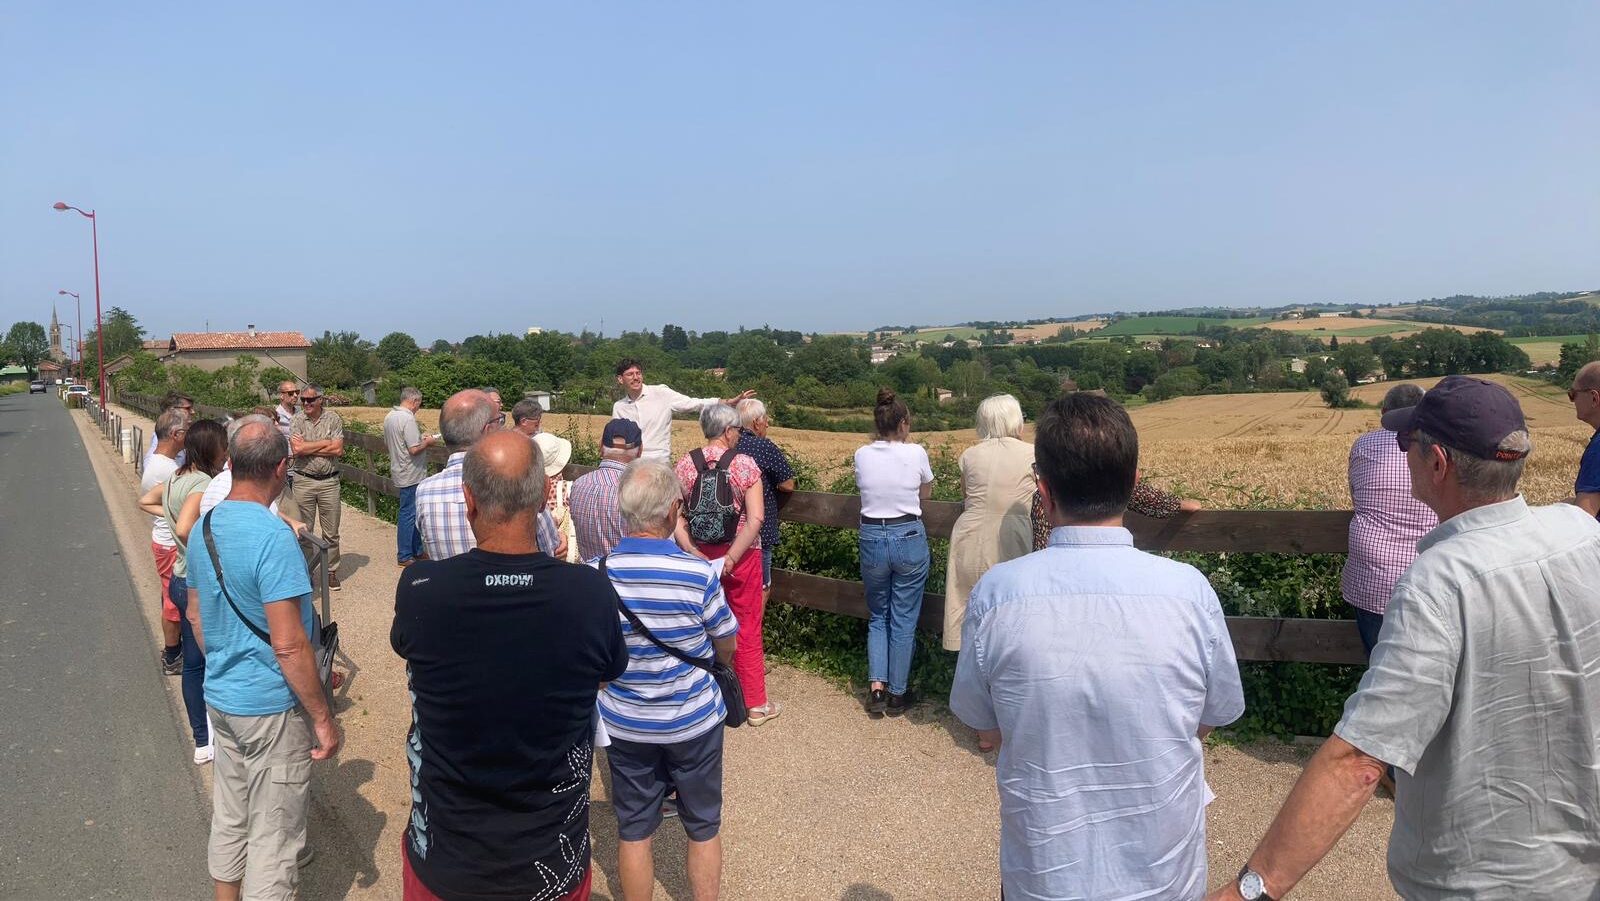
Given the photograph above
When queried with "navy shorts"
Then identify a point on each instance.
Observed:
(642, 774)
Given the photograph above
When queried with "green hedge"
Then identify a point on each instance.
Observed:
(1282, 699)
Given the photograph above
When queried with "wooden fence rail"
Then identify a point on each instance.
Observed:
(1293, 639)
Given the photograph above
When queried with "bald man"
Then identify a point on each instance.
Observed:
(504, 646)
(466, 418)
(1585, 397)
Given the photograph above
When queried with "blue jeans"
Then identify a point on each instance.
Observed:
(1369, 624)
(766, 567)
(408, 539)
(194, 664)
(894, 567)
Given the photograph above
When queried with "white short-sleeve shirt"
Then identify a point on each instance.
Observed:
(889, 475)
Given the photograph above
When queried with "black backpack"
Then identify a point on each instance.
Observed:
(713, 516)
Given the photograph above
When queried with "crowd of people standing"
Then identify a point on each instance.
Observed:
(1095, 669)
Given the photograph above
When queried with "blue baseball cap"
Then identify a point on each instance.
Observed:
(621, 433)
(1468, 414)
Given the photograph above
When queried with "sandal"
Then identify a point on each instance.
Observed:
(767, 711)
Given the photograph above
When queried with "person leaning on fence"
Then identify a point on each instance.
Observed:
(596, 517)
(723, 511)
(664, 716)
(1387, 523)
(1482, 692)
(177, 500)
(1098, 669)
(894, 478)
(996, 488)
(316, 439)
(170, 429)
(1585, 397)
(466, 417)
(408, 465)
(250, 604)
(504, 649)
(777, 478)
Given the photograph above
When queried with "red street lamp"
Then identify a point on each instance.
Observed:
(79, 331)
(99, 327)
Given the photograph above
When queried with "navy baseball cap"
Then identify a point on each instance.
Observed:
(1468, 414)
(623, 433)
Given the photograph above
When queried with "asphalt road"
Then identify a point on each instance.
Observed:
(96, 788)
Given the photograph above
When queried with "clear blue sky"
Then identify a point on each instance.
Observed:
(454, 169)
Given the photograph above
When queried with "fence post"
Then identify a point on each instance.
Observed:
(372, 503)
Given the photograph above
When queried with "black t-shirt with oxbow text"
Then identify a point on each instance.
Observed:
(504, 654)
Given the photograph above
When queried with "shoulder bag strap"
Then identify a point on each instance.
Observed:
(633, 619)
(216, 565)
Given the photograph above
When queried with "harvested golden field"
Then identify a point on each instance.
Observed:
(1349, 328)
(1050, 330)
(1228, 450)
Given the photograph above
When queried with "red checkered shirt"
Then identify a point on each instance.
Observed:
(1387, 524)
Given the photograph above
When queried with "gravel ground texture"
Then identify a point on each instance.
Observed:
(820, 803)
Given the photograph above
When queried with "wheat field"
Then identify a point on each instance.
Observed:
(1227, 450)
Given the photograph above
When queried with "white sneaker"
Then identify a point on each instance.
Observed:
(203, 756)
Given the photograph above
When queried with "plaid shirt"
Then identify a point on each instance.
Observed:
(595, 515)
(442, 515)
(1387, 524)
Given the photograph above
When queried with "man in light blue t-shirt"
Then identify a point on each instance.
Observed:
(270, 717)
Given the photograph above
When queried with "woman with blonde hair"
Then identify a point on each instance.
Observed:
(996, 488)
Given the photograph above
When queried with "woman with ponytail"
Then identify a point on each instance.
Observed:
(894, 478)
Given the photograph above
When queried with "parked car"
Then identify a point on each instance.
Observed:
(36, 387)
(80, 390)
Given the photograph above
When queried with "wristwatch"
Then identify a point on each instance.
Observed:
(1251, 886)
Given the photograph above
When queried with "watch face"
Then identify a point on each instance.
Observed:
(1251, 885)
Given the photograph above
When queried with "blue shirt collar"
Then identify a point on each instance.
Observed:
(632, 544)
(1090, 536)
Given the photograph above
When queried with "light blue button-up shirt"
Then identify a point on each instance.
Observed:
(1098, 663)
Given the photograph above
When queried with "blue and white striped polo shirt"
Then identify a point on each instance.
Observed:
(660, 699)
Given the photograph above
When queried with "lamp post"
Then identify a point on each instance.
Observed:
(69, 347)
(99, 326)
(79, 331)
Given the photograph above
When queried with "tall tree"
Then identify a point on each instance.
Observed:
(397, 350)
(27, 344)
(124, 335)
(674, 338)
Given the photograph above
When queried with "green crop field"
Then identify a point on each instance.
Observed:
(1166, 326)
(1546, 348)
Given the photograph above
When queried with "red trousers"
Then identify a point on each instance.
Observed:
(741, 584)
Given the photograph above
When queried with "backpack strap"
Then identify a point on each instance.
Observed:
(638, 626)
(699, 457)
(216, 565)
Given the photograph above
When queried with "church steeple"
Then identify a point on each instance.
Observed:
(56, 353)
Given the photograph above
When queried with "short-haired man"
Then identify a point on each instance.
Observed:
(1387, 523)
(777, 477)
(504, 648)
(159, 466)
(493, 394)
(527, 415)
(288, 400)
(1482, 692)
(596, 517)
(665, 716)
(466, 417)
(316, 439)
(1098, 669)
(652, 406)
(172, 400)
(1585, 397)
(269, 714)
(408, 465)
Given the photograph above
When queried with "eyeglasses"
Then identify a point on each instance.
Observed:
(1572, 393)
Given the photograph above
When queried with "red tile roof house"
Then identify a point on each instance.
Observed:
(213, 350)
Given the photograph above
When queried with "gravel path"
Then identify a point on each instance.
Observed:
(820, 803)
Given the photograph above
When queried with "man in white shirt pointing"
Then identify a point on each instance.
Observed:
(652, 406)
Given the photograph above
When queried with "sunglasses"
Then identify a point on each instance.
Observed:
(1404, 440)
(1572, 393)
(287, 391)
(311, 398)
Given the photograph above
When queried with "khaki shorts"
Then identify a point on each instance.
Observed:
(262, 780)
